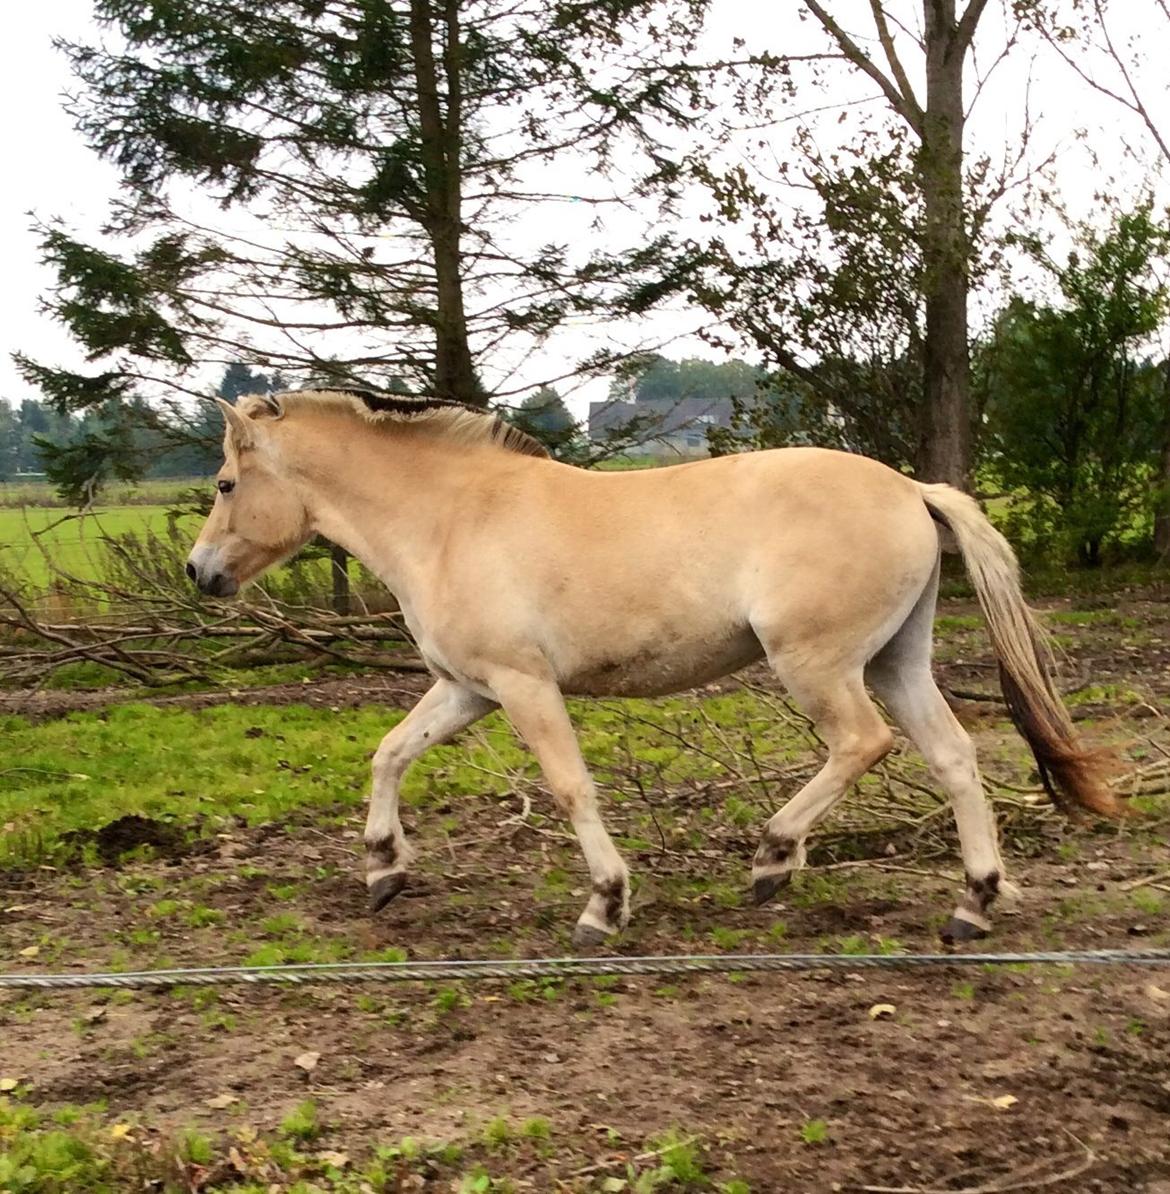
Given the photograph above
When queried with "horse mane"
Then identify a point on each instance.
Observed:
(450, 420)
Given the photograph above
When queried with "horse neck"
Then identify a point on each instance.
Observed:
(385, 496)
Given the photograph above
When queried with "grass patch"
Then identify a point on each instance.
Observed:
(202, 769)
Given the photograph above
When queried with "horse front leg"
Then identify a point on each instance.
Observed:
(444, 710)
(537, 709)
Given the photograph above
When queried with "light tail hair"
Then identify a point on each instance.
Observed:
(1072, 774)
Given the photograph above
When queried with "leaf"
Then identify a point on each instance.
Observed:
(7, 1084)
(30, 952)
(220, 1101)
(307, 1061)
(882, 1011)
(1003, 1102)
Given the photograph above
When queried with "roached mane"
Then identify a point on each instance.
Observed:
(451, 420)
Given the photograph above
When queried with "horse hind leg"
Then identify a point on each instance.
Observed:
(857, 738)
(901, 678)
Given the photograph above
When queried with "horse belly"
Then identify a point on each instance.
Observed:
(661, 668)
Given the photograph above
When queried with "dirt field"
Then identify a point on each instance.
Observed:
(977, 1080)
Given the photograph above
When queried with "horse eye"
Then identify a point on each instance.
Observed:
(225, 486)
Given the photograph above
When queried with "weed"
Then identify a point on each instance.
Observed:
(1146, 901)
(496, 1132)
(725, 938)
(200, 917)
(450, 998)
(302, 1123)
(815, 1131)
(195, 1147)
(536, 1128)
(678, 1163)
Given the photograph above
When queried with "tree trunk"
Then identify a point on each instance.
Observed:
(339, 567)
(455, 376)
(945, 448)
(1162, 510)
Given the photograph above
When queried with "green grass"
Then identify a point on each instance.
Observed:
(200, 768)
(34, 541)
(163, 491)
(815, 1131)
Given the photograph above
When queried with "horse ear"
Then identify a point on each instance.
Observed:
(260, 406)
(237, 425)
(267, 406)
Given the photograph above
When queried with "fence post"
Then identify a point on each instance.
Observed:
(339, 567)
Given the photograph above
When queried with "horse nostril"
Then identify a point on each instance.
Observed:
(190, 571)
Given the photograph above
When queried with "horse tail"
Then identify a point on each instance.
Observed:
(1072, 775)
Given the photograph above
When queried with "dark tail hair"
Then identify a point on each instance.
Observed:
(1072, 774)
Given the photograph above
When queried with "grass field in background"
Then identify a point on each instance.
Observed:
(162, 492)
(35, 539)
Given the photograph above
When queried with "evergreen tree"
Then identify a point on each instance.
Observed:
(543, 414)
(384, 149)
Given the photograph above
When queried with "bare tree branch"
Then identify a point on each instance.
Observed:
(864, 63)
(884, 36)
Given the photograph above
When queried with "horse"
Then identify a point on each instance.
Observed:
(523, 579)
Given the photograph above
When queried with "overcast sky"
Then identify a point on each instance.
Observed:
(50, 172)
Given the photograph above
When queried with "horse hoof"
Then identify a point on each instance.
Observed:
(957, 930)
(589, 937)
(766, 886)
(385, 889)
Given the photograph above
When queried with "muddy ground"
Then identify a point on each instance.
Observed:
(978, 1079)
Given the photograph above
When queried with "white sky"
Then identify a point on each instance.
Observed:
(50, 172)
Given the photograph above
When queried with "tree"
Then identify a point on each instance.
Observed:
(838, 314)
(1119, 67)
(907, 265)
(238, 380)
(381, 152)
(655, 377)
(1072, 401)
(937, 124)
(543, 414)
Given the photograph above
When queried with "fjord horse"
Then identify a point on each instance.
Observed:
(523, 579)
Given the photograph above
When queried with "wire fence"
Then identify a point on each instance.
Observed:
(467, 970)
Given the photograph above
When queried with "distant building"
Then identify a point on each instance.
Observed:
(666, 427)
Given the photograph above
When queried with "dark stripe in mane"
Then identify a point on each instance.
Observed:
(406, 408)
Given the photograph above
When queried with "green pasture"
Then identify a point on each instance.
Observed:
(266, 763)
(166, 491)
(37, 541)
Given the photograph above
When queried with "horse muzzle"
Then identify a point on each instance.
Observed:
(209, 578)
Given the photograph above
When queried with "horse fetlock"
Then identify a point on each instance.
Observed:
(778, 858)
(388, 851)
(606, 913)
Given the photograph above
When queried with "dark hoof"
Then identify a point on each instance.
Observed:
(589, 937)
(386, 888)
(956, 930)
(764, 888)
